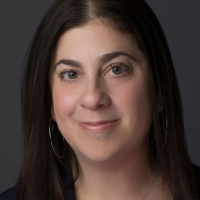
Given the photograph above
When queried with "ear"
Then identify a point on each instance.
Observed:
(161, 103)
(53, 113)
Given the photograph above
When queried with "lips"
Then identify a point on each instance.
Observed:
(98, 122)
(98, 126)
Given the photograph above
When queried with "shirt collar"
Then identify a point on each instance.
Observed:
(66, 176)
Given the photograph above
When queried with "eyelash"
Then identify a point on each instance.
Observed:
(119, 64)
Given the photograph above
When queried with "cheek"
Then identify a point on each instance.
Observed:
(134, 96)
(63, 102)
(135, 102)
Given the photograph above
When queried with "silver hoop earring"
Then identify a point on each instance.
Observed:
(52, 143)
(166, 134)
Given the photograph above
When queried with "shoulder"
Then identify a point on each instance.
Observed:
(8, 194)
(196, 170)
(197, 173)
(197, 177)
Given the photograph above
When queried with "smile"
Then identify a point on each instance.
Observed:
(97, 127)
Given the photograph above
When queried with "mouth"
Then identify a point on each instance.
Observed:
(98, 126)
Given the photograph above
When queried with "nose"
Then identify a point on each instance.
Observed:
(94, 96)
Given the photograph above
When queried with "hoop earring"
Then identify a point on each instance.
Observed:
(52, 143)
(166, 133)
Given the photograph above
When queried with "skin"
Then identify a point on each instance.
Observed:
(117, 157)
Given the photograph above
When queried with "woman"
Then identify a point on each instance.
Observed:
(101, 109)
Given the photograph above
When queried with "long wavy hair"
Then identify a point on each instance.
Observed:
(40, 177)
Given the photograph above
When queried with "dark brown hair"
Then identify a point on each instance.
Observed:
(39, 177)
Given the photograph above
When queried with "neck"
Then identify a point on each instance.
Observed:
(124, 177)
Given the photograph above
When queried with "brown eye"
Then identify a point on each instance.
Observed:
(117, 70)
(70, 75)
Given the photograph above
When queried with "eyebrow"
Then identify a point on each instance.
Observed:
(102, 60)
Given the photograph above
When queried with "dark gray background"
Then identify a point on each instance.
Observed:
(18, 21)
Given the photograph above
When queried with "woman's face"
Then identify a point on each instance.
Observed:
(100, 90)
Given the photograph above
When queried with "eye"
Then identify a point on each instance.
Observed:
(117, 69)
(68, 75)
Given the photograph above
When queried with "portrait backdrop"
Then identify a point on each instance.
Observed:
(19, 19)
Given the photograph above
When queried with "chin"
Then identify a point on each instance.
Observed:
(98, 156)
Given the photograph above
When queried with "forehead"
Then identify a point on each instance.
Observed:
(95, 39)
